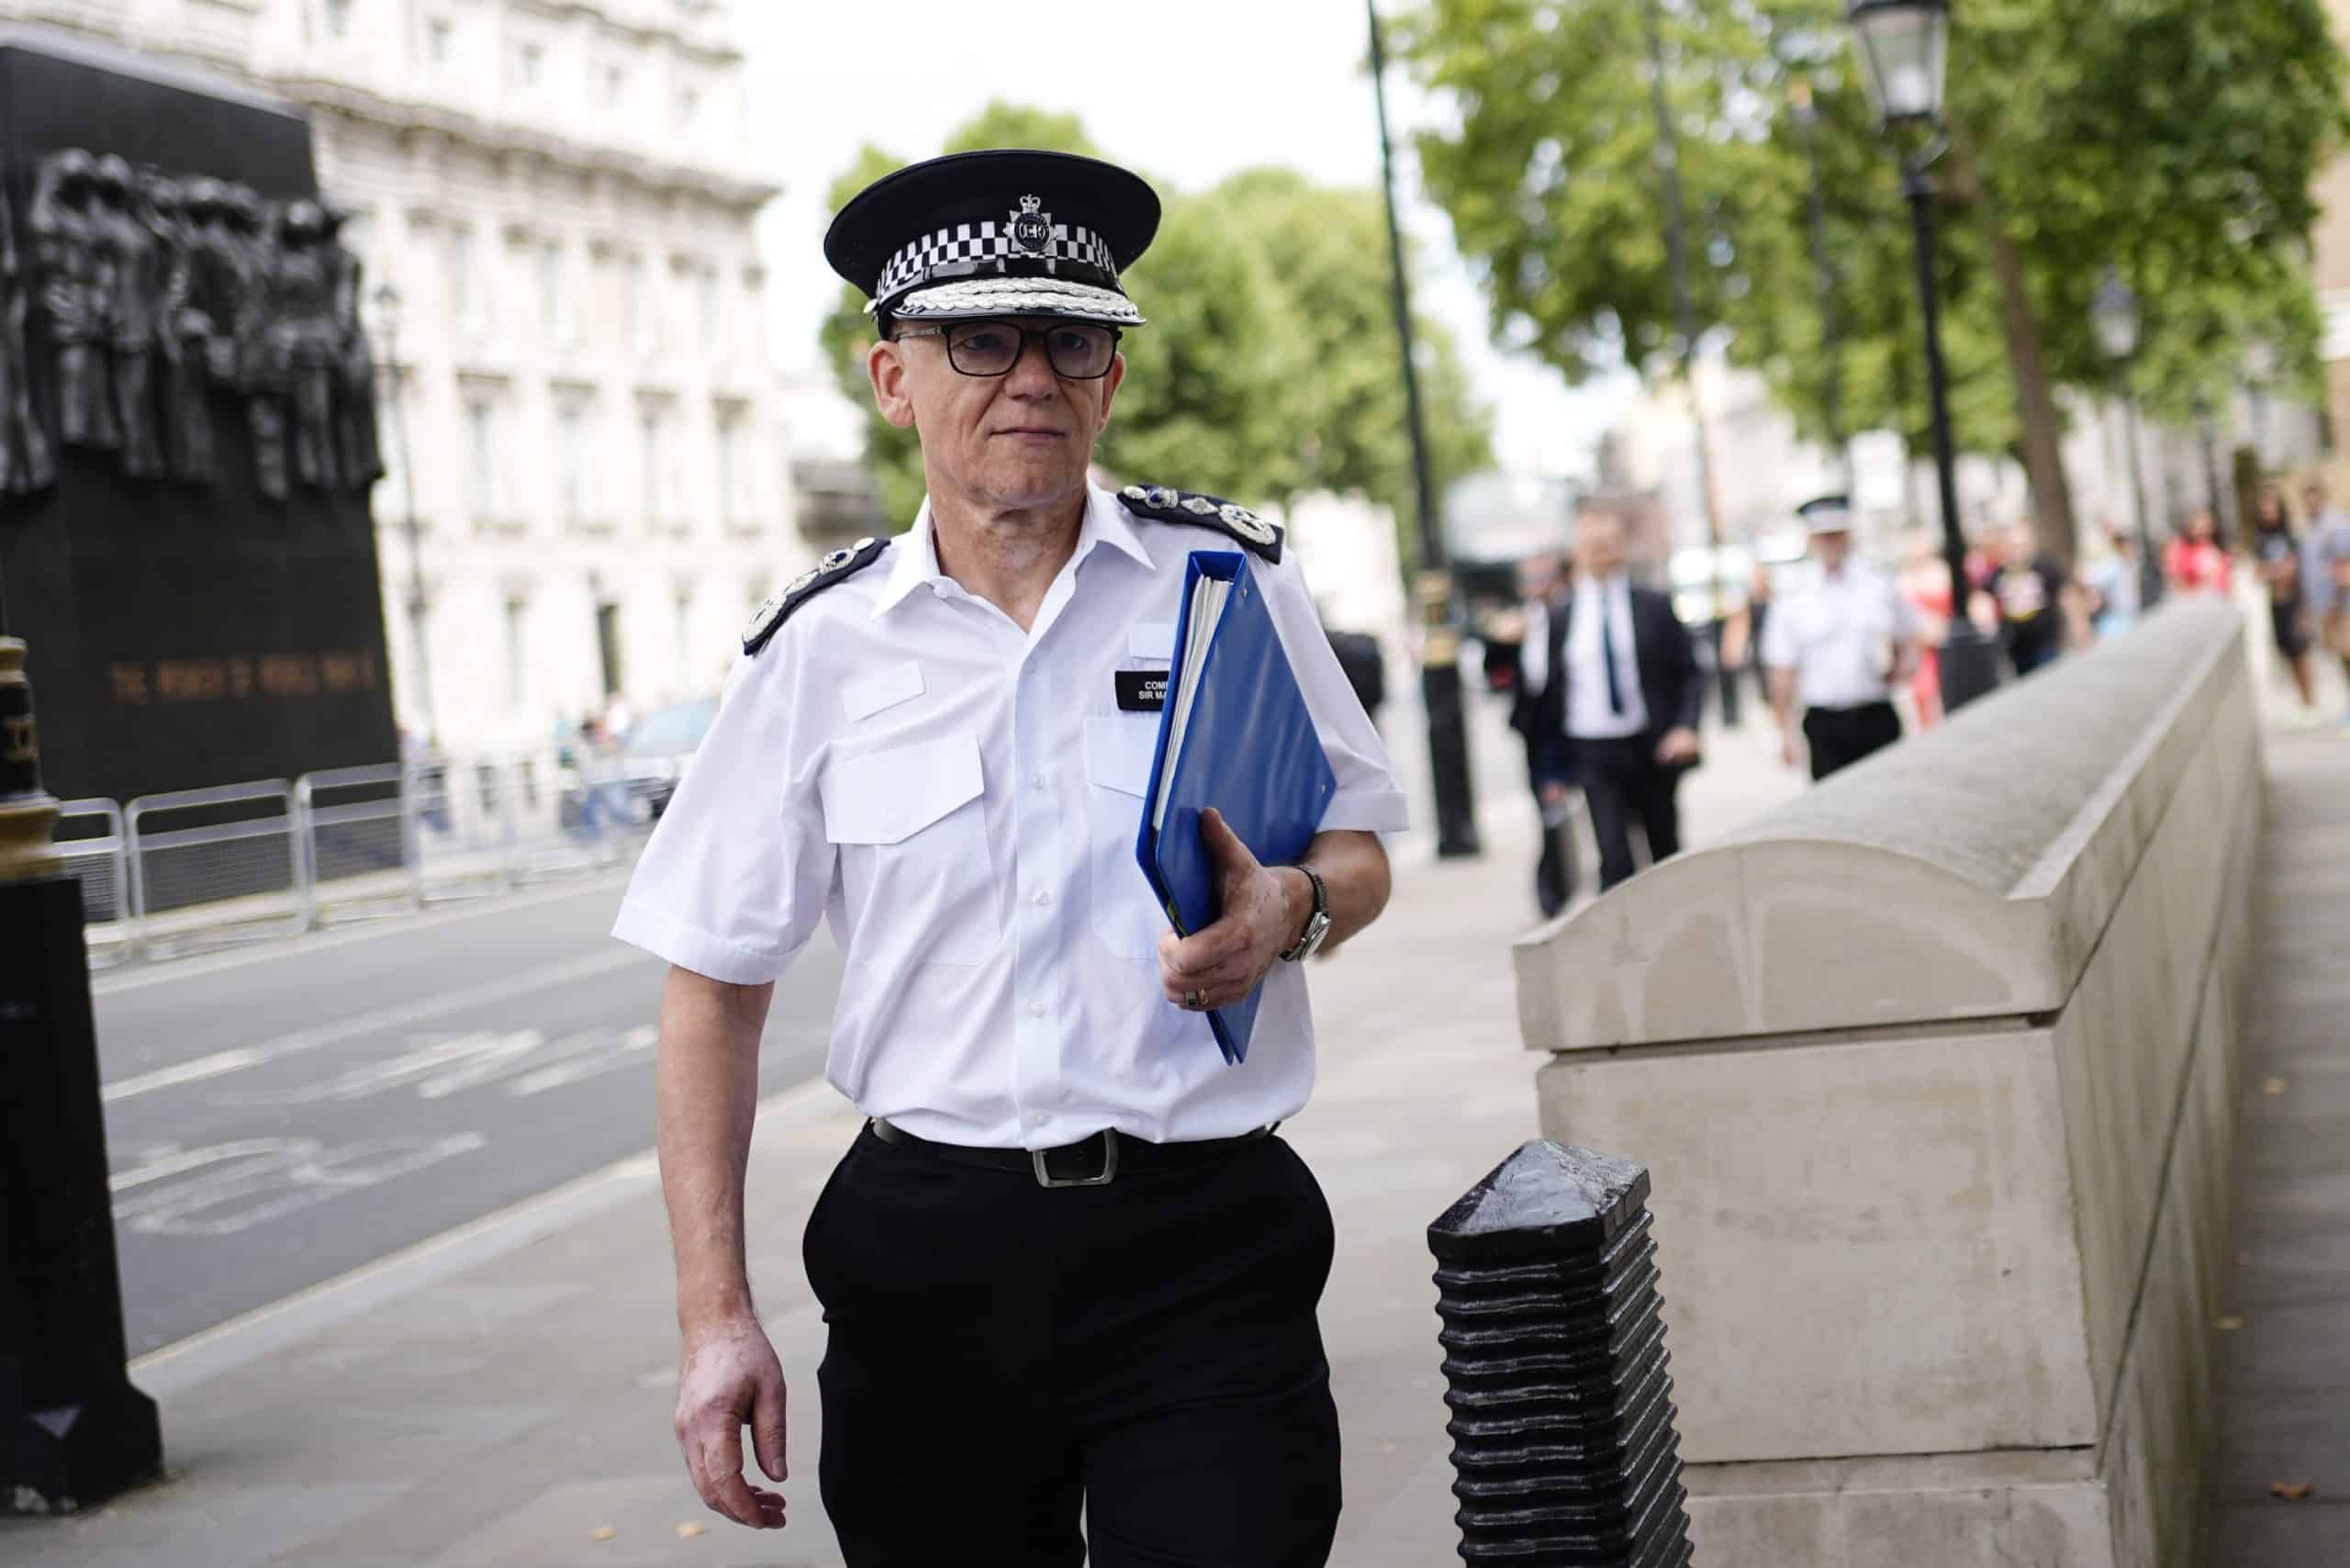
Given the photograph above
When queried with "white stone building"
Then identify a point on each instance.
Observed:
(561, 193)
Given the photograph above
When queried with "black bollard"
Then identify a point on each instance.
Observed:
(1564, 1449)
(72, 1430)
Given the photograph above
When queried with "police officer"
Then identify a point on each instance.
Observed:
(1837, 648)
(1066, 1265)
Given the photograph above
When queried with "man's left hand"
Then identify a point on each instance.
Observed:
(1679, 745)
(1264, 909)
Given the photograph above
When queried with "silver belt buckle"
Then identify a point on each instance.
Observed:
(1109, 1165)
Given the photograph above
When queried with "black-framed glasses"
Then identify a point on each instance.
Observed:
(1078, 351)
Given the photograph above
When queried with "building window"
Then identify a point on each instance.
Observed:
(615, 85)
(464, 292)
(607, 645)
(555, 303)
(482, 458)
(685, 607)
(688, 107)
(649, 443)
(439, 38)
(729, 470)
(338, 18)
(527, 61)
(571, 461)
(632, 302)
(706, 299)
(517, 657)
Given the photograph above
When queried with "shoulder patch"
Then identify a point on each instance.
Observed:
(835, 567)
(1236, 522)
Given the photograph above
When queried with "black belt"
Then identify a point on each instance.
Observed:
(1098, 1159)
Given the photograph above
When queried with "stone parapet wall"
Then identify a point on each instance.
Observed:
(1933, 1070)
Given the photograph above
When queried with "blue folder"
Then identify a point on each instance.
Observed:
(1249, 750)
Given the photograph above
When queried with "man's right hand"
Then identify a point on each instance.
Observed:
(1789, 752)
(731, 1379)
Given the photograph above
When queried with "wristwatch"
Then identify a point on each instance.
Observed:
(1317, 925)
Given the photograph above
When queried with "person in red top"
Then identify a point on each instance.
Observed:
(2195, 561)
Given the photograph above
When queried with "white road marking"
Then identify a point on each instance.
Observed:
(194, 1072)
(232, 1187)
(525, 1060)
(359, 1025)
(172, 1369)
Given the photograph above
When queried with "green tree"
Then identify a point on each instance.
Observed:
(1269, 366)
(2173, 140)
(1329, 249)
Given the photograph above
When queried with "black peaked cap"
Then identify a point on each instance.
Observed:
(919, 240)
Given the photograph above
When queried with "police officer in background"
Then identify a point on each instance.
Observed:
(1066, 1266)
(1837, 648)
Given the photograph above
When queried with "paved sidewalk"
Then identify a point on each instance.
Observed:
(2284, 1374)
(501, 1396)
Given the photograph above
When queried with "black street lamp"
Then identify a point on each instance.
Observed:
(2113, 312)
(1904, 47)
(387, 327)
(1456, 813)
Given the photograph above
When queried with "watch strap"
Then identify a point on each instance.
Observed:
(1316, 922)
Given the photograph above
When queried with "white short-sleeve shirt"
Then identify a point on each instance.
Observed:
(959, 799)
(1839, 636)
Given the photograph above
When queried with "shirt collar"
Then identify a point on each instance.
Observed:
(915, 562)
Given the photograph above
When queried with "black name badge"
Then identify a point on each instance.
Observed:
(1141, 691)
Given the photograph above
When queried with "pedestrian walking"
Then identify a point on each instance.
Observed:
(1544, 582)
(2326, 572)
(1924, 583)
(2115, 582)
(2277, 557)
(1837, 649)
(2195, 561)
(1067, 1270)
(1616, 675)
(2029, 588)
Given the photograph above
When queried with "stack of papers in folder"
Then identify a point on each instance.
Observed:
(1235, 734)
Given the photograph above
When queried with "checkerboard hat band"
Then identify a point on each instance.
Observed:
(963, 249)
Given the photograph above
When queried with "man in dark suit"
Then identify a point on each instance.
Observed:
(1617, 676)
(1543, 585)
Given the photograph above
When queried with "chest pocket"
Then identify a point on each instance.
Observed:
(1118, 746)
(910, 821)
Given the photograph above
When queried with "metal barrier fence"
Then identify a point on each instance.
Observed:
(197, 867)
(228, 865)
(91, 841)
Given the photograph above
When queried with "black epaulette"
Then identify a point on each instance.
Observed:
(838, 566)
(1236, 522)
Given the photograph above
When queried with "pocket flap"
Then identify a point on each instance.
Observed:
(1151, 640)
(885, 797)
(1117, 751)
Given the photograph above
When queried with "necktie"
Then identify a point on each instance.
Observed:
(1607, 655)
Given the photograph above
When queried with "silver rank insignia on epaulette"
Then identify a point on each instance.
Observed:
(833, 568)
(1168, 505)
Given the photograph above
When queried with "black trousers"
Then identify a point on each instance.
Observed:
(1623, 783)
(1554, 869)
(1001, 1355)
(1841, 736)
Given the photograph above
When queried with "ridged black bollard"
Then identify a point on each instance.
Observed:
(1564, 1443)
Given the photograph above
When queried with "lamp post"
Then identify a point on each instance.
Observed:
(1456, 815)
(1904, 47)
(388, 326)
(1832, 332)
(1676, 240)
(2113, 312)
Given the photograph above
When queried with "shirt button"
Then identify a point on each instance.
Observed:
(1036, 1008)
(1040, 898)
(1039, 779)
(1038, 1118)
